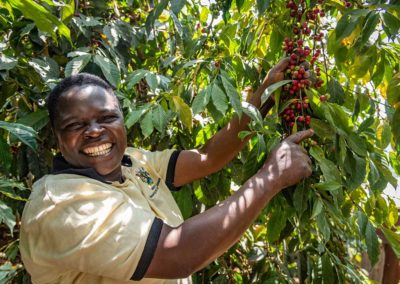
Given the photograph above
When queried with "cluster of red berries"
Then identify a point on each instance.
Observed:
(291, 114)
(305, 28)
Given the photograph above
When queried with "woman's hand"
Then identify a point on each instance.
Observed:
(277, 73)
(288, 163)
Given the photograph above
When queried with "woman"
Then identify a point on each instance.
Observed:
(106, 214)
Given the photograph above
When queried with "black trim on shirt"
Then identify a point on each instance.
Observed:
(61, 166)
(149, 250)
(169, 180)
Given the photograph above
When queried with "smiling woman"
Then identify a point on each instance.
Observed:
(114, 203)
(89, 127)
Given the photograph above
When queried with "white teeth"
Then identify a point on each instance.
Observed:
(98, 150)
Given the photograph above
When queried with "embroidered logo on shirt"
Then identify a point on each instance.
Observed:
(146, 178)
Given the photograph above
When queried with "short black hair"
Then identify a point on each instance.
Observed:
(68, 83)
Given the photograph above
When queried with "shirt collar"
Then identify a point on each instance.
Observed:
(61, 166)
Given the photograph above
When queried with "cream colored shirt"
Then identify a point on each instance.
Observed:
(77, 229)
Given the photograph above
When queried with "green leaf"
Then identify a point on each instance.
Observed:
(366, 124)
(7, 272)
(393, 214)
(370, 24)
(47, 68)
(384, 134)
(327, 270)
(111, 32)
(395, 124)
(183, 198)
(357, 168)
(155, 14)
(151, 80)
(232, 94)
(262, 5)
(109, 69)
(328, 185)
(317, 208)
(322, 129)
(337, 118)
(357, 144)
(146, 124)
(252, 112)
(5, 155)
(22, 132)
(239, 4)
(362, 222)
(37, 120)
(134, 116)
(67, 11)
(393, 239)
(135, 77)
(275, 225)
(271, 89)
(323, 226)
(393, 90)
(219, 98)
(7, 216)
(201, 100)
(317, 153)
(185, 113)
(330, 170)
(300, 198)
(336, 91)
(348, 23)
(253, 159)
(43, 19)
(372, 242)
(177, 5)
(391, 24)
(7, 63)
(76, 65)
(160, 119)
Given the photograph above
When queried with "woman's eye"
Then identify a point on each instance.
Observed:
(74, 126)
(109, 118)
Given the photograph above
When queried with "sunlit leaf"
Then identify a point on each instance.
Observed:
(391, 24)
(271, 89)
(160, 119)
(22, 132)
(201, 100)
(43, 19)
(232, 94)
(219, 98)
(185, 112)
(77, 64)
(146, 124)
(109, 69)
(7, 63)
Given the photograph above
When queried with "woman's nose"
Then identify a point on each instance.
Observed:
(93, 130)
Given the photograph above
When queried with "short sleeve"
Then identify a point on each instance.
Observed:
(162, 163)
(93, 229)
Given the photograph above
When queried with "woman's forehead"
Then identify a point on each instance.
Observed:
(87, 93)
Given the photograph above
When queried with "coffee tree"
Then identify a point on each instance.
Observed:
(182, 69)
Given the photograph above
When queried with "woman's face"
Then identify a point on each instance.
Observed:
(90, 131)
